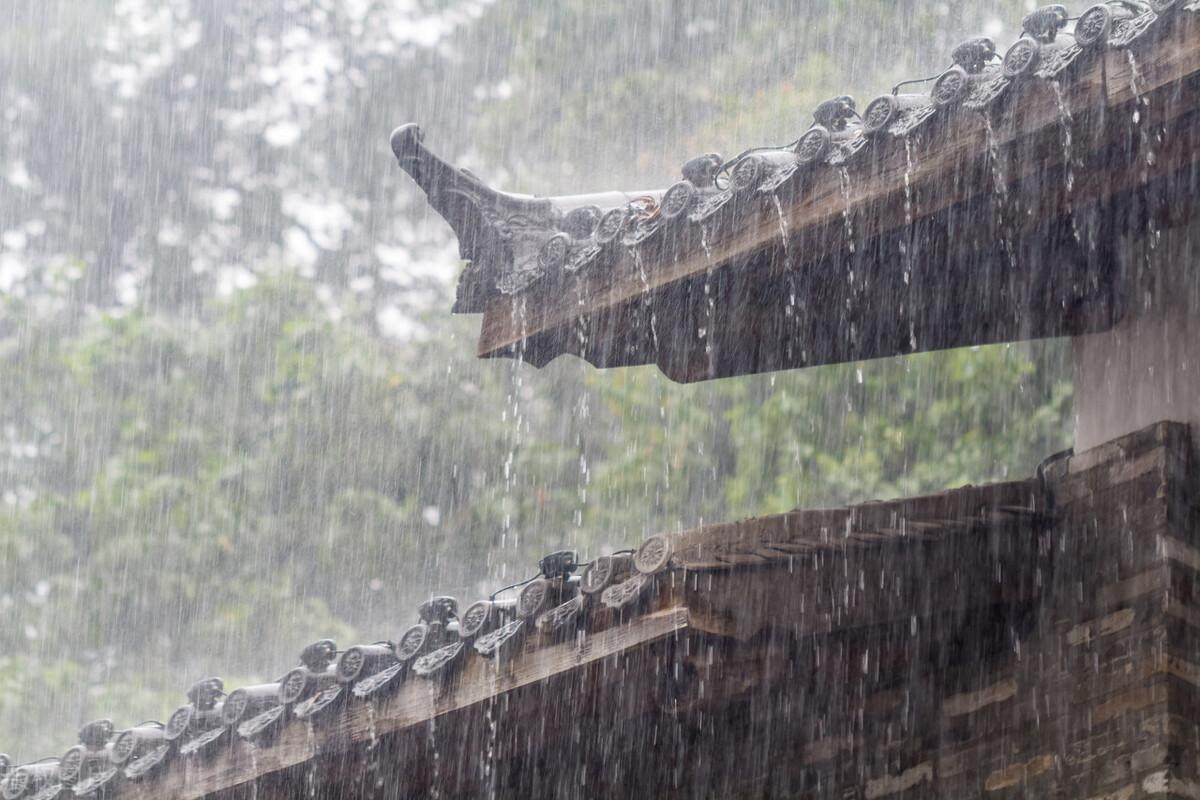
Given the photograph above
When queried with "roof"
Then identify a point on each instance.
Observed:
(577, 634)
(980, 207)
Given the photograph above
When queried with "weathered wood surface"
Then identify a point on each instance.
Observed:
(970, 236)
(414, 703)
(783, 536)
(817, 572)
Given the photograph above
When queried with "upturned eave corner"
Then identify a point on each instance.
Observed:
(509, 241)
(473, 210)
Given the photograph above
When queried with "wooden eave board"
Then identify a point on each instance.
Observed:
(780, 536)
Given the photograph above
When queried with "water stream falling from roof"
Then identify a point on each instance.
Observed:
(906, 242)
(783, 232)
(847, 213)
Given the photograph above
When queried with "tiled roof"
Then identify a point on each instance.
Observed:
(568, 616)
(963, 209)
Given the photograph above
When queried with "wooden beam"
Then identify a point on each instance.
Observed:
(780, 536)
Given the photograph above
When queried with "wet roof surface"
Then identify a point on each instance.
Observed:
(568, 616)
(962, 209)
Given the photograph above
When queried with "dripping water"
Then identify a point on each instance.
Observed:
(1000, 187)
(373, 750)
(1139, 105)
(434, 758)
(1064, 114)
(847, 219)
(709, 300)
(311, 778)
(906, 244)
(252, 749)
(908, 173)
(909, 239)
(635, 254)
(790, 309)
(514, 415)
(489, 761)
(783, 231)
(1145, 144)
(1135, 82)
(993, 149)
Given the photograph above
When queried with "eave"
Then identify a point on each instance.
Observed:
(782, 575)
(981, 225)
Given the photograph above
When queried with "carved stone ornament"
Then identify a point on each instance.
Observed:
(534, 597)
(710, 205)
(97, 781)
(204, 742)
(562, 617)
(379, 682)
(654, 554)
(323, 701)
(496, 642)
(148, 763)
(262, 724)
(412, 642)
(440, 661)
(627, 593)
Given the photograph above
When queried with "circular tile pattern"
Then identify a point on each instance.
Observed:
(653, 555)
(880, 113)
(1091, 30)
(677, 200)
